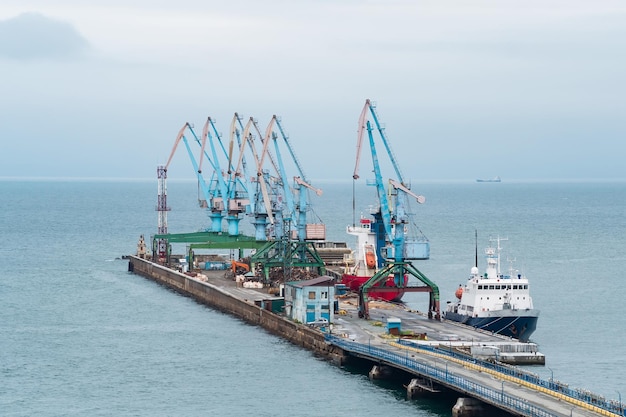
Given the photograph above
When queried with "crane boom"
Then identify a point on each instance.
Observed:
(234, 177)
(381, 130)
(266, 140)
(385, 210)
(290, 148)
(419, 198)
(359, 141)
(205, 133)
(297, 212)
(181, 132)
(259, 166)
(300, 181)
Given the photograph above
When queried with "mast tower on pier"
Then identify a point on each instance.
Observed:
(162, 210)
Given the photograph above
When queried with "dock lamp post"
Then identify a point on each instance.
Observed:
(551, 377)
(446, 364)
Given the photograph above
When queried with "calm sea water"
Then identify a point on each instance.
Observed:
(81, 336)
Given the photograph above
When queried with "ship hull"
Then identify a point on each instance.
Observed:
(354, 283)
(506, 323)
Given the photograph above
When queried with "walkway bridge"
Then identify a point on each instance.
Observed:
(507, 388)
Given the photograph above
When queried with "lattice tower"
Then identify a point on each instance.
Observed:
(162, 210)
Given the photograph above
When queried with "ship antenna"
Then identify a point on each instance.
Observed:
(476, 248)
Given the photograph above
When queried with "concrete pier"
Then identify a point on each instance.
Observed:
(427, 354)
(239, 302)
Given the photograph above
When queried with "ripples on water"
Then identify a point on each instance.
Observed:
(81, 336)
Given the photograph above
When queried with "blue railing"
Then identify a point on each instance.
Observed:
(583, 395)
(493, 396)
(485, 393)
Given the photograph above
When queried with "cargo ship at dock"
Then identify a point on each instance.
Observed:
(366, 261)
(495, 302)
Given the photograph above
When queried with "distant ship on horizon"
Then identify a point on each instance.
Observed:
(495, 179)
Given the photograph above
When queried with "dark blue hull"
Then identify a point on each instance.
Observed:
(518, 327)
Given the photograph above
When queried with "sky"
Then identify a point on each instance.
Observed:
(466, 89)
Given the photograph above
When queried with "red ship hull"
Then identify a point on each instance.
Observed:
(354, 282)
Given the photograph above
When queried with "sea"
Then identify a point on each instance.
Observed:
(81, 336)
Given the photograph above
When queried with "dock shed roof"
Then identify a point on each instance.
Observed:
(324, 280)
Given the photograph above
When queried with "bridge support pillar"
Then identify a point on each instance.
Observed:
(419, 387)
(380, 372)
(468, 407)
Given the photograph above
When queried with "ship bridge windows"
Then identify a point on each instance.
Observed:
(480, 287)
(491, 287)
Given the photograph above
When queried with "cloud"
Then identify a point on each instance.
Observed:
(34, 36)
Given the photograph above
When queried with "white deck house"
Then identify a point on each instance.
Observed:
(310, 300)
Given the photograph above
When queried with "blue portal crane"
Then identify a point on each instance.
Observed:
(284, 249)
(301, 186)
(221, 201)
(399, 248)
(233, 199)
(261, 191)
(231, 191)
(211, 196)
(239, 177)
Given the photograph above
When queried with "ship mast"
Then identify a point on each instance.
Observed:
(476, 248)
(498, 249)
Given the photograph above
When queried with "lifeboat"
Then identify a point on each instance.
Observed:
(459, 292)
(370, 259)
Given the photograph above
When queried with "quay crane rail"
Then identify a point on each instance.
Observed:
(400, 248)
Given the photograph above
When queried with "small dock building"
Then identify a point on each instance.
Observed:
(311, 300)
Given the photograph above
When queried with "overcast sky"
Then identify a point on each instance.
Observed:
(466, 89)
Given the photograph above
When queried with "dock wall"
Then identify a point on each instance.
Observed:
(247, 311)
